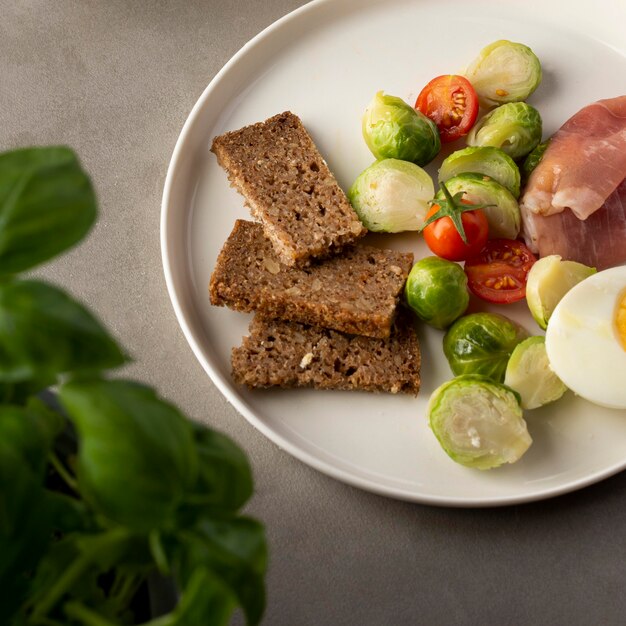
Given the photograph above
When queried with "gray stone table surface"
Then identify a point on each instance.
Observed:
(115, 79)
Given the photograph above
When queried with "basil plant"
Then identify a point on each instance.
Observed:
(105, 484)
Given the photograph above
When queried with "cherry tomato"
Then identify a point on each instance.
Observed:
(451, 102)
(444, 240)
(499, 272)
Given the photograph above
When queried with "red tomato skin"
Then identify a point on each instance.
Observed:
(499, 273)
(451, 102)
(443, 239)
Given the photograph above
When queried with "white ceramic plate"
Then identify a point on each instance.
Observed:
(324, 62)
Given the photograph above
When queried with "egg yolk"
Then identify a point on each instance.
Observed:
(620, 318)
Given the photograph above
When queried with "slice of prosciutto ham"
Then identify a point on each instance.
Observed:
(574, 203)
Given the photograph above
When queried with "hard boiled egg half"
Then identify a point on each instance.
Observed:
(586, 338)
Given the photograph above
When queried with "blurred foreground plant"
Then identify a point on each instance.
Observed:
(112, 485)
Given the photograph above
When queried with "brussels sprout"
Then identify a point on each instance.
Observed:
(533, 159)
(394, 130)
(504, 72)
(486, 160)
(481, 343)
(501, 210)
(478, 422)
(436, 290)
(549, 279)
(515, 128)
(392, 195)
(528, 372)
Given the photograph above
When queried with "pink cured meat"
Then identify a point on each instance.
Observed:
(574, 203)
(583, 164)
(599, 241)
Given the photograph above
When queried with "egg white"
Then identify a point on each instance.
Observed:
(582, 343)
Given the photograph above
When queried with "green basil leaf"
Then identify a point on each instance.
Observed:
(29, 514)
(235, 549)
(205, 600)
(91, 568)
(136, 457)
(66, 572)
(225, 476)
(49, 422)
(29, 432)
(44, 332)
(108, 548)
(67, 514)
(24, 521)
(47, 205)
(56, 561)
(19, 393)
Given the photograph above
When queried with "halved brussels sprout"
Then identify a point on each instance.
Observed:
(515, 128)
(394, 130)
(533, 159)
(478, 422)
(504, 71)
(482, 343)
(436, 290)
(502, 211)
(391, 196)
(487, 160)
(549, 279)
(528, 372)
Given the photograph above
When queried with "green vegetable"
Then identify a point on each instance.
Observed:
(549, 279)
(47, 205)
(394, 130)
(515, 128)
(436, 290)
(499, 205)
(224, 474)
(528, 372)
(206, 596)
(533, 159)
(392, 196)
(97, 500)
(486, 160)
(44, 332)
(504, 71)
(478, 422)
(157, 450)
(26, 436)
(235, 549)
(481, 343)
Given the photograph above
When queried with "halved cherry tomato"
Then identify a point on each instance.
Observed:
(444, 240)
(451, 102)
(499, 272)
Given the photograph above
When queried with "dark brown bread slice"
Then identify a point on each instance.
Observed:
(356, 292)
(289, 188)
(288, 354)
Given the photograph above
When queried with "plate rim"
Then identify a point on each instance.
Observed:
(223, 386)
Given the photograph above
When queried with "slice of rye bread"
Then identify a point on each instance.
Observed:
(289, 188)
(288, 354)
(356, 292)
